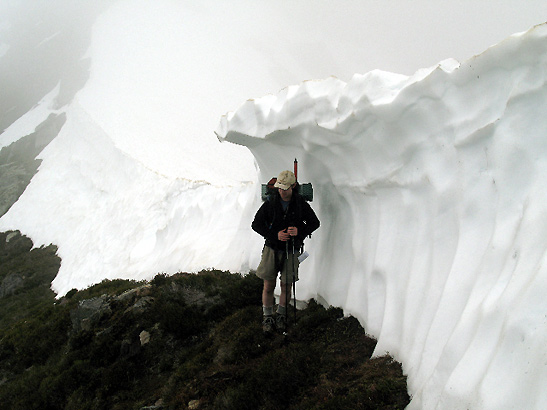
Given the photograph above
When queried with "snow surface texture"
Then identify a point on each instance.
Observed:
(112, 217)
(432, 197)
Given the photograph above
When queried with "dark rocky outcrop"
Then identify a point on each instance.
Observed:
(18, 163)
(10, 284)
(89, 312)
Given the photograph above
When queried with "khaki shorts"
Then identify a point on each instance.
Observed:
(268, 270)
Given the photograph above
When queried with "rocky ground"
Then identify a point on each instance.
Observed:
(185, 341)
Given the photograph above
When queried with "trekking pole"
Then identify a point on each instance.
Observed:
(287, 281)
(294, 280)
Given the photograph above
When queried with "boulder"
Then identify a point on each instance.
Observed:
(89, 312)
(11, 284)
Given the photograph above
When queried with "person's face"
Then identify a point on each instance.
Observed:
(286, 195)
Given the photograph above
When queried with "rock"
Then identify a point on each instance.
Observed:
(11, 284)
(11, 235)
(14, 178)
(89, 312)
(157, 406)
(18, 163)
(141, 305)
(194, 405)
(224, 354)
(141, 291)
(144, 337)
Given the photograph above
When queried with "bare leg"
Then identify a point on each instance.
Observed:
(268, 293)
(285, 293)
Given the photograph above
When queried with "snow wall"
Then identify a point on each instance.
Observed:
(432, 197)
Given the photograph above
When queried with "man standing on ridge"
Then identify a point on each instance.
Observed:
(284, 220)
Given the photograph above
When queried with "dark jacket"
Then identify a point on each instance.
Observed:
(270, 219)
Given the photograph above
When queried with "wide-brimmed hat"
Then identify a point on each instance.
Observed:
(285, 180)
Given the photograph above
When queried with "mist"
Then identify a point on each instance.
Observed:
(45, 43)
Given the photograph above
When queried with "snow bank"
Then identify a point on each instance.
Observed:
(432, 197)
(114, 218)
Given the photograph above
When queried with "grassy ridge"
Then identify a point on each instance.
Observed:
(177, 342)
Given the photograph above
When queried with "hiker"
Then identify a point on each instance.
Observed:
(284, 220)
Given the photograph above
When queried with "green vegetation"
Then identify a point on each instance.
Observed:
(177, 342)
(25, 277)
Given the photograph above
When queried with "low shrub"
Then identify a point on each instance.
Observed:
(186, 337)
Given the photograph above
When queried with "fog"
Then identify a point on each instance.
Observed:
(44, 42)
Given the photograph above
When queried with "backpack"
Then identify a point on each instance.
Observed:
(305, 190)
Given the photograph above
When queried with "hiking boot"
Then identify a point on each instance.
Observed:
(268, 324)
(281, 322)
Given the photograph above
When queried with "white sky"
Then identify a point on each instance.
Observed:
(398, 35)
(165, 71)
(393, 35)
(405, 35)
